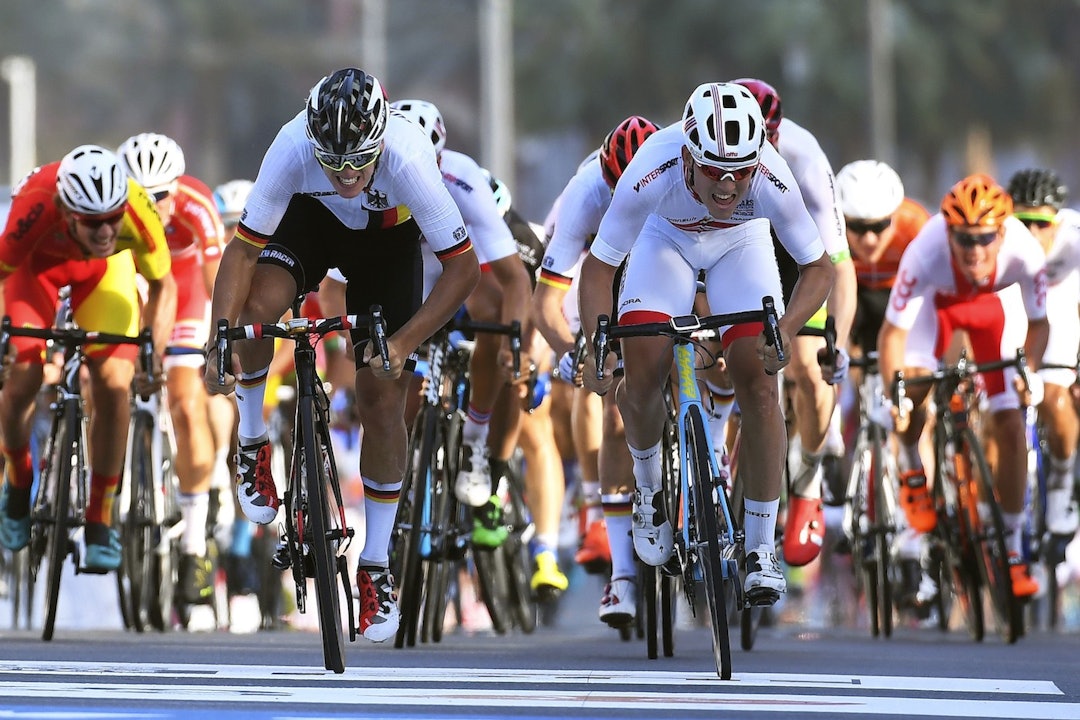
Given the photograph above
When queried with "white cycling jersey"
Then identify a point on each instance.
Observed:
(1062, 299)
(406, 184)
(655, 214)
(814, 174)
(931, 298)
(582, 205)
(469, 188)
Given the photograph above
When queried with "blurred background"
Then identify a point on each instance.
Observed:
(529, 87)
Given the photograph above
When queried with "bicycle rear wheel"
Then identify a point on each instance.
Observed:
(706, 534)
(954, 539)
(882, 530)
(53, 508)
(413, 525)
(991, 553)
(325, 536)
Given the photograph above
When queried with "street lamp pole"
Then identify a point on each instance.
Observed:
(18, 71)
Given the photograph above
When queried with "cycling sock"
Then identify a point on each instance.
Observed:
(102, 494)
(250, 399)
(909, 457)
(619, 518)
(1014, 532)
(194, 509)
(591, 501)
(477, 423)
(1061, 472)
(807, 482)
(545, 542)
(22, 467)
(759, 519)
(380, 509)
(647, 471)
(721, 403)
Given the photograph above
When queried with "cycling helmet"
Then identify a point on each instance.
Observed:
(91, 181)
(976, 201)
(427, 116)
(230, 198)
(722, 126)
(503, 199)
(869, 190)
(1038, 188)
(620, 145)
(769, 102)
(346, 113)
(152, 160)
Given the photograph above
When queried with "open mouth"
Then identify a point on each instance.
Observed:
(348, 182)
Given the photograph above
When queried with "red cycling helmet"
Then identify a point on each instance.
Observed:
(769, 100)
(620, 145)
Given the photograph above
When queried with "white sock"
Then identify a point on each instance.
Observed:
(759, 522)
(647, 471)
(194, 509)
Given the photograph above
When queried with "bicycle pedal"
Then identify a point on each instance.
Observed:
(546, 594)
(761, 597)
(281, 560)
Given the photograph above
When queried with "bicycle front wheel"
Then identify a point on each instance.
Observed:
(953, 549)
(991, 551)
(324, 538)
(53, 508)
(882, 529)
(706, 530)
(138, 526)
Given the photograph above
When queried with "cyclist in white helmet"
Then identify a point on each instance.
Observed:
(80, 222)
(196, 238)
(701, 195)
(346, 184)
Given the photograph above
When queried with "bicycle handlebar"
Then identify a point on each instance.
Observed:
(511, 330)
(684, 326)
(297, 327)
(958, 372)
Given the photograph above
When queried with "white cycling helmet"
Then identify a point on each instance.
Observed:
(503, 198)
(868, 190)
(427, 116)
(722, 126)
(152, 160)
(230, 198)
(90, 180)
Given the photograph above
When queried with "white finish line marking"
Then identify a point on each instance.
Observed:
(588, 700)
(452, 676)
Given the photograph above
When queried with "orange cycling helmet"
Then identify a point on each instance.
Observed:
(620, 145)
(976, 201)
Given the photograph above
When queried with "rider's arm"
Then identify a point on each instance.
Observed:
(233, 280)
(516, 290)
(891, 343)
(547, 314)
(816, 279)
(594, 295)
(160, 310)
(1038, 333)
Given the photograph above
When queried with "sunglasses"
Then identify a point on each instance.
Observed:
(970, 240)
(161, 195)
(717, 174)
(861, 227)
(1038, 220)
(93, 222)
(337, 163)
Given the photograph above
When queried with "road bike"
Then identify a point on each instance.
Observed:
(707, 538)
(315, 534)
(968, 541)
(58, 506)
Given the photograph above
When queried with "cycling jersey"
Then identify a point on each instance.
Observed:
(932, 298)
(1062, 298)
(38, 256)
(582, 205)
(196, 237)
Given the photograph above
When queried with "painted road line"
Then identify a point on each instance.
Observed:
(457, 676)
(592, 701)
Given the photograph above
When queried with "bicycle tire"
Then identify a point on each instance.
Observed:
(524, 605)
(955, 539)
(858, 529)
(445, 514)
(489, 566)
(410, 594)
(882, 531)
(323, 537)
(138, 526)
(707, 538)
(992, 553)
(62, 479)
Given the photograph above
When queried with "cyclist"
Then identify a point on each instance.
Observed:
(581, 207)
(880, 223)
(196, 236)
(1038, 199)
(345, 184)
(73, 222)
(972, 267)
(814, 399)
(235, 532)
(702, 195)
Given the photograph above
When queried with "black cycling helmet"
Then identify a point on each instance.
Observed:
(1038, 188)
(346, 113)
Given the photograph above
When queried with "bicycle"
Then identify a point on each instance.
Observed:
(58, 506)
(707, 538)
(150, 522)
(432, 533)
(315, 534)
(870, 510)
(968, 541)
